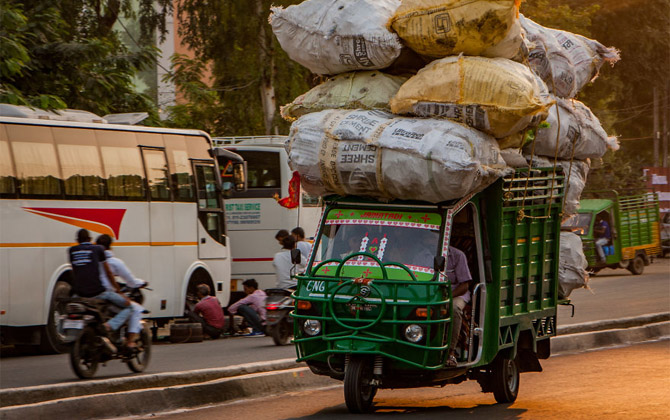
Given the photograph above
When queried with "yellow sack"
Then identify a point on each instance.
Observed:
(438, 28)
(355, 90)
(494, 95)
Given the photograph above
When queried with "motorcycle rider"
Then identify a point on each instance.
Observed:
(119, 268)
(86, 260)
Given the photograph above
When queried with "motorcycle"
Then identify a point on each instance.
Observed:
(82, 325)
(278, 323)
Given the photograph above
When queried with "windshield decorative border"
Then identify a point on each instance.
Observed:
(420, 220)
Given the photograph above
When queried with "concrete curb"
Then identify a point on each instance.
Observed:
(169, 391)
(133, 403)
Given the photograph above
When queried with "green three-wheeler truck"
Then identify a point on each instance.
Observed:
(374, 308)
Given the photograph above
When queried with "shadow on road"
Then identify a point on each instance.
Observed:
(409, 410)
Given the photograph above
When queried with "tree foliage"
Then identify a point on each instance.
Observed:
(62, 53)
(236, 38)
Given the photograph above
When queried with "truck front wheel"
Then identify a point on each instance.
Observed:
(505, 380)
(637, 265)
(358, 389)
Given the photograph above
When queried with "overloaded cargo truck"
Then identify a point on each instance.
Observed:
(375, 306)
(634, 230)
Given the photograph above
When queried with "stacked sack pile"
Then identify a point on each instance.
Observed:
(434, 99)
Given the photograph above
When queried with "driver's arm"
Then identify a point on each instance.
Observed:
(461, 289)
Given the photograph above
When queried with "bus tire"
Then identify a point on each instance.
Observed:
(358, 392)
(52, 341)
(505, 380)
(637, 265)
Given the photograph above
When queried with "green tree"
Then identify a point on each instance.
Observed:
(67, 53)
(251, 73)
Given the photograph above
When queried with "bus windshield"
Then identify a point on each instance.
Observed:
(578, 223)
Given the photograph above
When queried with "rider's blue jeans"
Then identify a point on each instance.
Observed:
(118, 300)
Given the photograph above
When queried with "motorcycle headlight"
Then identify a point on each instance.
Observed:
(413, 333)
(312, 327)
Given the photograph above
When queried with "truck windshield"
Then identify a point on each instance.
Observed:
(578, 223)
(382, 234)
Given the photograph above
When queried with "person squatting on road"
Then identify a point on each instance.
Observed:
(208, 312)
(86, 260)
(458, 274)
(251, 307)
(119, 269)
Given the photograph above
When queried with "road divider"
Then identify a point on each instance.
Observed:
(144, 394)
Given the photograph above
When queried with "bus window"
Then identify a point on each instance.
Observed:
(123, 167)
(80, 162)
(263, 173)
(180, 167)
(35, 158)
(209, 204)
(157, 174)
(7, 185)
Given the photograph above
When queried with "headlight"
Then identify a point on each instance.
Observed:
(312, 327)
(414, 333)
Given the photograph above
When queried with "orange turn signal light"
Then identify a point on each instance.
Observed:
(304, 305)
(422, 312)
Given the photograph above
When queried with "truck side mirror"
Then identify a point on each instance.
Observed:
(295, 256)
(439, 263)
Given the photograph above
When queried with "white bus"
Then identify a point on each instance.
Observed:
(253, 217)
(156, 191)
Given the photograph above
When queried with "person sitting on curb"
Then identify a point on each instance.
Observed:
(251, 307)
(208, 312)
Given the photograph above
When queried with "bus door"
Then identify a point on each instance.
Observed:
(211, 230)
(161, 229)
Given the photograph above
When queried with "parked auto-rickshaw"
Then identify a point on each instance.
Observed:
(374, 308)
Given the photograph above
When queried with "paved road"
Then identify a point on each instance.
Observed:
(615, 294)
(624, 383)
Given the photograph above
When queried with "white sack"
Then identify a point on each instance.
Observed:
(572, 265)
(572, 122)
(575, 180)
(565, 61)
(336, 36)
(372, 153)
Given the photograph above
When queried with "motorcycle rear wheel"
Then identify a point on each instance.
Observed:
(282, 333)
(84, 354)
(141, 360)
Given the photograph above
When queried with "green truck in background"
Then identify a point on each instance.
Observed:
(374, 308)
(634, 223)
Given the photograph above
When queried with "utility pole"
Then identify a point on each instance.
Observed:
(656, 128)
(666, 92)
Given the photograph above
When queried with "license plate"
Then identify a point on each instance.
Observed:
(73, 324)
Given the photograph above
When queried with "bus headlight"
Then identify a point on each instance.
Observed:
(312, 327)
(413, 333)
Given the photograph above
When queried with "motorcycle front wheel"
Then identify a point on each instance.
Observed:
(84, 354)
(282, 333)
(140, 361)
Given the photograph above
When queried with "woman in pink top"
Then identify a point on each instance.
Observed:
(251, 307)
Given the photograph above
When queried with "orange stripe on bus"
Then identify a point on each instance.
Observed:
(116, 244)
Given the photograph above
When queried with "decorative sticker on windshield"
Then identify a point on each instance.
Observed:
(420, 220)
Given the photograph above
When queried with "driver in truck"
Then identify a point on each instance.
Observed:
(458, 274)
(603, 234)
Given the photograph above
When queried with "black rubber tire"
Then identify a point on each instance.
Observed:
(282, 333)
(84, 354)
(52, 341)
(637, 265)
(358, 393)
(505, 380)
(141, 360)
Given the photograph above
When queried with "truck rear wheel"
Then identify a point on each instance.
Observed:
(637, 265)
(505, 380)
(358, 390)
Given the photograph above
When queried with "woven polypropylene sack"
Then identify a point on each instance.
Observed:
(578, 132)
(572, 265)
(355, 90)
(565, 61)
(495, 95)
(438, 28)
(575, 174)
(376, 154)
(337, 36)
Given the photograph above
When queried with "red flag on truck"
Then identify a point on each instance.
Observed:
(293, 199)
